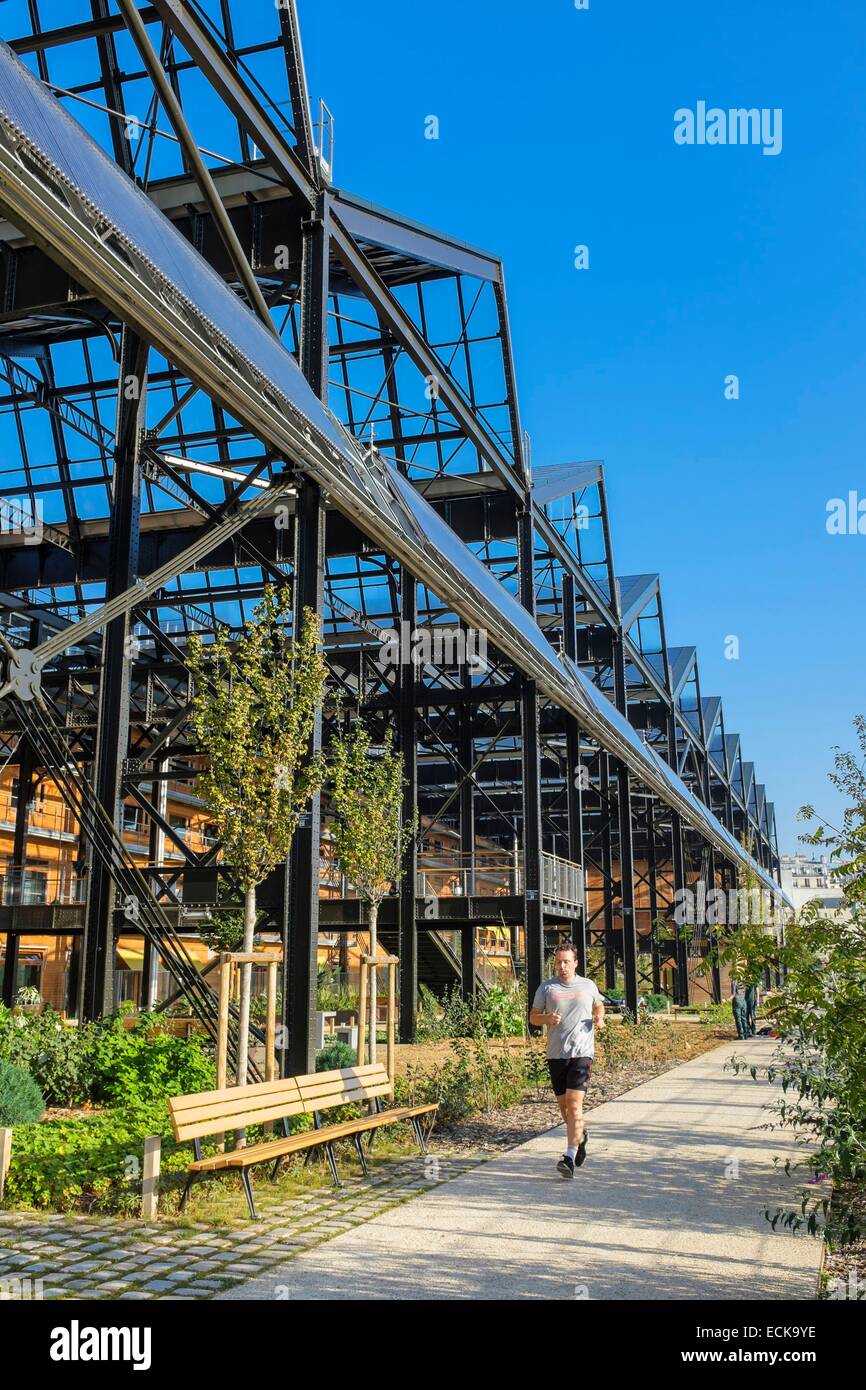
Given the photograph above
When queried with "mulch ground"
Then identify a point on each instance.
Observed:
(845, 1268)
(504, 1129)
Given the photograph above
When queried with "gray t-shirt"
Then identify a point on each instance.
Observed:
(574, 1035)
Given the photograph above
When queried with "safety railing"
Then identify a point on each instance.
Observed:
(33, 887)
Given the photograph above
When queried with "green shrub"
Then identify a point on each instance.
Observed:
(58, 1056)
(332, 994)
(20, 1098)
(502, 1012)
(655, 1003)
(336, 1055)
(145, 1064)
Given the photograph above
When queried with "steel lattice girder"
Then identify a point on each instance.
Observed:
(78, 231)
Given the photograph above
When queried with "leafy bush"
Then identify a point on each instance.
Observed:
(58, 1056)
(336, 1055)
(477, 1078)
(820, 1014)
(20, 1098)
(502, 1012)
(145, 1064)
(332, 993)
(656, 1003)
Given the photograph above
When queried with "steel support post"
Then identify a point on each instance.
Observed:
(97, 985)
(681, 986)
(573, 768)
(407, 909)
(606, 856)
(626, 858)
(712, 935)
(626, 871)
(653, 896)
(468, 936)
(533, 916)
(301, 929)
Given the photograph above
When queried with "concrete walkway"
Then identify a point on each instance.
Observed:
(669, 1205)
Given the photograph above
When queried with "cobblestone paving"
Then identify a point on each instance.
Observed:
(78, 1257)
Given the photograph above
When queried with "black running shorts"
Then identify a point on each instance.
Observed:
(569, 1073)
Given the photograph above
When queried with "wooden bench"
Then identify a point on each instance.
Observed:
(207, 1113)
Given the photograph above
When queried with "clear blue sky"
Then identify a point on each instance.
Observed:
(556, 128)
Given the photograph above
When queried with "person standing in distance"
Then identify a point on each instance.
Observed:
(570, 1007)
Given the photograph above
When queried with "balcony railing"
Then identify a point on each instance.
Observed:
(32, 887)
(488, 874)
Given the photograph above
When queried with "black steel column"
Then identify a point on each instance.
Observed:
(97, 991)
(715, 973)
(626, 858)
(604, 762)
(681, 987)
(301, 927)
(653, 895)
(407, 939)
(468, 938)
(533, 915)
(574, 769)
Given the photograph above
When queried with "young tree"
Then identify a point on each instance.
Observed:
(254, 709)
(370, 835)
(820, 1014)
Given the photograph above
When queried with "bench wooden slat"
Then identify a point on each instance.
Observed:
(306, 1139)
(239, 1114)
(241, 1107)
(263, 1088)
(238, 1107)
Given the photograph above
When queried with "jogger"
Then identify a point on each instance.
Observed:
(571, 1008)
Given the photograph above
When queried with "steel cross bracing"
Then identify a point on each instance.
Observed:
(404, 333)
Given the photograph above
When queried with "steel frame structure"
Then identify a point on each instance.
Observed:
(173, 479)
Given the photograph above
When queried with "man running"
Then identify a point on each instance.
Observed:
(570, 1007)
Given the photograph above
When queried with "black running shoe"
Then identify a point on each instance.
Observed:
(580, 1156)
(565, 1166)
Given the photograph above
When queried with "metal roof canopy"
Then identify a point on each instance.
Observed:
(59, 185)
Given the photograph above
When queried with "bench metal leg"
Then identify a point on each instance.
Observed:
(189, 1182)
(329, 1150)
(245, 1179)
(419, 1133)
(276, 1168)
(361, 1155)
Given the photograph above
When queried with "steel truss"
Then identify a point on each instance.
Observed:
(171, 480)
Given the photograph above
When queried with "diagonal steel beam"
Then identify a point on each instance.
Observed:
(392, 313)
(227, 81)
(174, 111)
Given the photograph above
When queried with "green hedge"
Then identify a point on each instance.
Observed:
(20, 1098)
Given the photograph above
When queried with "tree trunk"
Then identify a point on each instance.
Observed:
(374, 983)
(246, 983)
